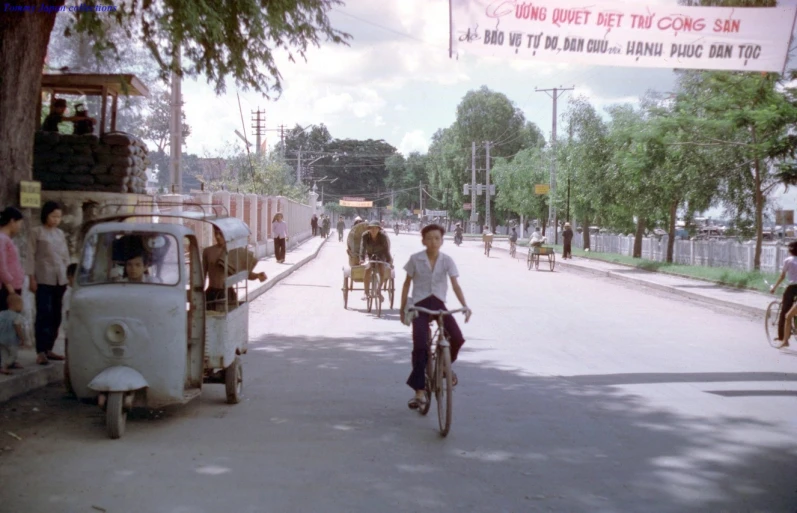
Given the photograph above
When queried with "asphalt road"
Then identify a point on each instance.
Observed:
(576, 394)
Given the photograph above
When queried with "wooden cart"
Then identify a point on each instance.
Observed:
(356, 274)
(535, 252)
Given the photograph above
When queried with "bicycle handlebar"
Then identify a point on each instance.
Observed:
(437, 312)
(379, 262)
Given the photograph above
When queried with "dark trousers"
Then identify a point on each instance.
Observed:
(789, 295)
(49, 301)
(568, 250)
(420, 341)
(315, 229)
(279, 249)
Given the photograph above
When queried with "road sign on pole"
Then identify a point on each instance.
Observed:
(467, 206)
(542, 188)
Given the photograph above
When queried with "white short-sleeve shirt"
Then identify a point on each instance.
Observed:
(790, 268)
(427, 282)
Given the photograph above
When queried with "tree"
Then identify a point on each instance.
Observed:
(404, 177)
(234, 39)
(515, 181)
(584, 160)
(157, 123)
(259, 174)
(750, 117)
(484, 115)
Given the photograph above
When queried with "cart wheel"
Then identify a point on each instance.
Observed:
(115, 415)
(345, 293)
(234, 381)
(552, 260)
(392, 291)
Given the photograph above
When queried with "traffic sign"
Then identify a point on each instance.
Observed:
(542, 188)
(467, 206)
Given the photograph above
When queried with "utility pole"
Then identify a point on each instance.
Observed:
(176, 128)
(420, 194)
(474, 214)
(259, 127)
(487, 217)
(557, 91)
(569, 140)
(298, 167)
(282, 140)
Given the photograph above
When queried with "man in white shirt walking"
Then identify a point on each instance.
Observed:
(428, 272)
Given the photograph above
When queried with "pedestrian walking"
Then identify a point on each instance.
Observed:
(326, 224)
(47, 263)
(567, 238)
(314, 224)
(279, 230)
(341, 226)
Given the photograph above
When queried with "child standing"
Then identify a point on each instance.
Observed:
(12, 333)
(427, 272)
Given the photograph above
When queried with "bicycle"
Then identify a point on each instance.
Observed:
(488, 244)
(438, 369)
(771, 323)
(374, 298)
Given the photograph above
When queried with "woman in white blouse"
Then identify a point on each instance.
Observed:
(279, 230)
(47, 260)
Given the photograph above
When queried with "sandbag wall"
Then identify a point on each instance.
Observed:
(117, 162)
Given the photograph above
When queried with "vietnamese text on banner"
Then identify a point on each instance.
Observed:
(624, 34)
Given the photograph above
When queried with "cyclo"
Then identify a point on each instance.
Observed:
(145, 337)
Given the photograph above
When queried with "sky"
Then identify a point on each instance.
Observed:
(395, 81)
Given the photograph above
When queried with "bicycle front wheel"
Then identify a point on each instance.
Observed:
(771, 323)
(444, 390)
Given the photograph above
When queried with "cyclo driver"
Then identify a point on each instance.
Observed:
(375, 245)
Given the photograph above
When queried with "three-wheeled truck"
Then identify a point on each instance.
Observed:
(148, 338)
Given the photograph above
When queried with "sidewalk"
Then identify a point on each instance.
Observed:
(748, 301)
(34, 376)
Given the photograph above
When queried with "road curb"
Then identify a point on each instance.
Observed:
(29, 381)
(666, 288)
(272, 281)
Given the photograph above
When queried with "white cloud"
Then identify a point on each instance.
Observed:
(396, 87)
(413, 141)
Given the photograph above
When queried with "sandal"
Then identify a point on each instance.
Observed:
(454, 379)
(416, 403)
(41, 359)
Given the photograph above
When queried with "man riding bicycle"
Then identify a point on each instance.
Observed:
(512, 240)
(536, 240)
(375, 245)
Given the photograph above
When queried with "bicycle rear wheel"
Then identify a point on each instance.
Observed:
(771, 323)
(444, 389)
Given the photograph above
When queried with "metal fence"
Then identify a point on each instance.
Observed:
(709, 253)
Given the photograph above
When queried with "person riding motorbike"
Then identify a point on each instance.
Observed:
(457, 234)
(375, 245)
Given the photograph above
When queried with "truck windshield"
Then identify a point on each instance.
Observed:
(130, 257)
